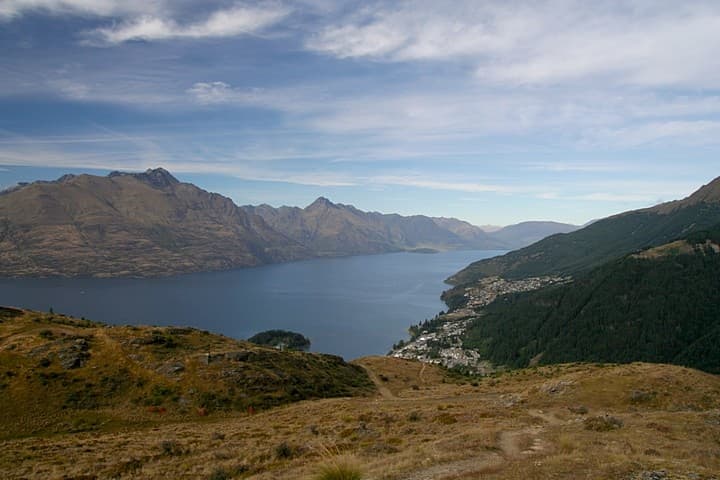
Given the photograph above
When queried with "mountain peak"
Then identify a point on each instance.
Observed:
(156, 177)
(709, 193)
(321, 202)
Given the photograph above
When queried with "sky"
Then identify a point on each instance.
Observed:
(494, 112)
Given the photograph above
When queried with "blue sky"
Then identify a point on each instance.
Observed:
(490, 111)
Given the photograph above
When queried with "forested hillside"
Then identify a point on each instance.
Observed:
(661, 305)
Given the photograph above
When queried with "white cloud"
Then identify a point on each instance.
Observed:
(220, 92)
(660, 43)
(239, 20)
(438, 119)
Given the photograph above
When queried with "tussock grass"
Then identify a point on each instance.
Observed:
(340, 468)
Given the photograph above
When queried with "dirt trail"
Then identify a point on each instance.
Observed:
(382, 389)
(513, 444)
(477, 464)
(547, 417)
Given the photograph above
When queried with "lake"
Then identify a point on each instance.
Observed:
(351, 306)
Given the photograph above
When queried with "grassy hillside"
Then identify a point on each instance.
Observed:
(660, 305)
(604, 240)
(61, 374)
(630, 422)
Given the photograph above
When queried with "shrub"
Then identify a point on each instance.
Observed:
(641, 396)
(446, 419)
(284, 450)
(414, 416)
(603, 423)
(171, 448)
(46, 334)
(220, 474)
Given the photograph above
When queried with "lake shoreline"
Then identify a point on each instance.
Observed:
(350, 306)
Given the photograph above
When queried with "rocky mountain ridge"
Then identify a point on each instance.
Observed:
(151, 224)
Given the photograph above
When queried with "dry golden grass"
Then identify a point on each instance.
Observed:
(518, 425)
(146, 376)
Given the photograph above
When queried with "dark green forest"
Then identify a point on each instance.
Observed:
(664, 309)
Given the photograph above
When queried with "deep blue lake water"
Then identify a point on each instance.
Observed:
(352, 306)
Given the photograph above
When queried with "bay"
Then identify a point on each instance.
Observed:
(350, 306)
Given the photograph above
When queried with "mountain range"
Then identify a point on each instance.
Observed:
(151, 224)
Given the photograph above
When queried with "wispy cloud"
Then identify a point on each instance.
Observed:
(238, 20)
(674, 132)
(540, 43)
(210, 93)
(455, 184)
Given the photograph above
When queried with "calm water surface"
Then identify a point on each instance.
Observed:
(350, 306)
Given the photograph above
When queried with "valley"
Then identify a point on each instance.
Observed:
(346, 240)
(538, 376)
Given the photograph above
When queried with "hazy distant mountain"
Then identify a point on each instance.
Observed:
(130, 224)
(328, 228)
(527, 233)
(604, 240)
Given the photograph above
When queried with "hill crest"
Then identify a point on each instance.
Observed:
(603, 240)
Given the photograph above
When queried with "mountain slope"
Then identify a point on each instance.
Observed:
(130, 224)
(603, 240)
(590, 421)
(331, 229)
(63, 374)
(660, 305)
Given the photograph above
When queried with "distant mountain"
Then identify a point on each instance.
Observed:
(150, 224)
(527, 233)
(603, 240)
(329, 229)
(469, 233)
(659, 305)
(130, 224)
